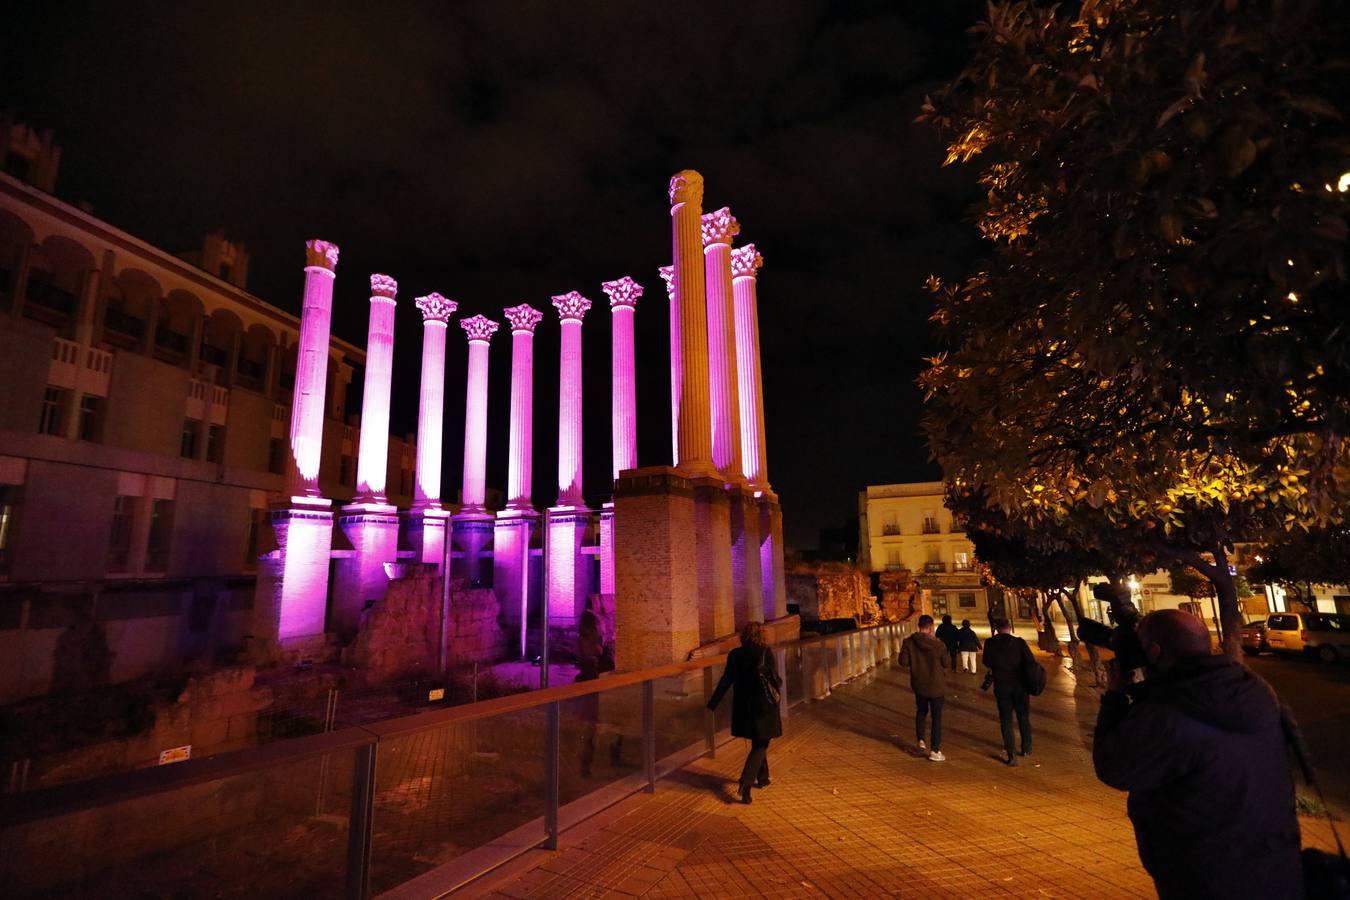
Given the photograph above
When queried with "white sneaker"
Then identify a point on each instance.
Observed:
(936, 756)
(923, 746)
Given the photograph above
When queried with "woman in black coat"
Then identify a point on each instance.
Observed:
(753, 716)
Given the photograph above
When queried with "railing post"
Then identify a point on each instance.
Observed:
(839, 658)
(359, 826)
(709, 717)
(781, 659)
(649, 734)
(551, 767)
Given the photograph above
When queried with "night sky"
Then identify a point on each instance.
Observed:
(505, 152)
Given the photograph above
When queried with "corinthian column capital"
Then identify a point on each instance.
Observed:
(571, 305)
(523, 317)
(322, 255)
(622, 292)
(686, 186)
(383, 286)
(668, 276)
(745, 262)
(436, 308)
(478, 328)
(719, 227)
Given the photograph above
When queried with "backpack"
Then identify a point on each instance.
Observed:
(1033, 676)
(770, 695)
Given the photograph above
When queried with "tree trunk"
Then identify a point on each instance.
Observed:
(1230, 611)
(1048, 639)
(1098, 671)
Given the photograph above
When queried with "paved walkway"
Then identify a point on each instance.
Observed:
(854, 812)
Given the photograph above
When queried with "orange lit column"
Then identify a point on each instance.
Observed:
(719, 228)
(693, 419)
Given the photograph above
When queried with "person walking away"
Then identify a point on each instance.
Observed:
(749, 671)
(1200, 747)
(968, 643)
(947, 633)
(1008, 659)
(926, 657)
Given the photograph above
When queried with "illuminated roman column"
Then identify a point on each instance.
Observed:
(572, 309)
(515, 524)
(473, 524)
(370, 524)
(311, 378)
(372, 461)
(623, 296)
(676, 369)
(570, 519)
(426, 518)
(693, 417)
(745, 266)
(719, 228)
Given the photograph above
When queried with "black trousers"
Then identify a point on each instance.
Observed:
(922, 706)
(1014, 700)
(756, 766)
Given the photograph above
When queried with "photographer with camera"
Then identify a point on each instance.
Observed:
(1199, 746)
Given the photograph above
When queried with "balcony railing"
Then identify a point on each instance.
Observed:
(890, 529)
(120, 323)
(935, 567)
(930, 526)
(494, 779)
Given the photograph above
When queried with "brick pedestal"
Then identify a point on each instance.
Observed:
(772, 574)
(292, 593)
(712, 559)
(424, 533)
(470, 533)
(511, 537)
(360, 580)
(747, 581)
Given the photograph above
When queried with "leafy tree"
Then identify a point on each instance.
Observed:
(1299, 559)
(1156, 349)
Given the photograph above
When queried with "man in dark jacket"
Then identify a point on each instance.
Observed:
(1008, 658)
(926, 658)
(949, 635)
(1200, 748)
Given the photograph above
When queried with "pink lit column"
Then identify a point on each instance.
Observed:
(370, 524)
(426, 519)
(515, 524)
(745, 266)
(473, 524)
(719, 228)
(570, 519)
(693, 417)
(291, 597)
(623, 296)
(676, 369)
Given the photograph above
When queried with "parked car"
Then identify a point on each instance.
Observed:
(1326, 635)
(1254, 637)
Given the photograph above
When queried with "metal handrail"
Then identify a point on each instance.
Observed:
(364, 741)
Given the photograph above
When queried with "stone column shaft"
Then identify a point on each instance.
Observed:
(623, 296)
(473, 494)
(693, 416)
(523, 320)
(372, 458)
(719, 228)
(572, 308)
(436, 312)
(746, 263)
(311, 372)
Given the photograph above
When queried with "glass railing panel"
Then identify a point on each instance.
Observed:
(680, 711)
(600, 741)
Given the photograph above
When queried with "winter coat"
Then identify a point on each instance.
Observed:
(1008, 658)
(751, 717)
(947, 632)
(967, 641)
(1202, 753)
(928, 661)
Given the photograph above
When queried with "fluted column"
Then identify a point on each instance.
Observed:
(307, 402)
(694, 418)
(719, 228)
(372, 459)
(523, 319)
(436, 313)
(676, 368)
(623, 297)
(572, 309)
(479, 330)
(745, 265)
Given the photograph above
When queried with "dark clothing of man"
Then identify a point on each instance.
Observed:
(1008, 659)
(926, 658)
(922, 706)
(967, 640)
(1202, 753)
(947, 633)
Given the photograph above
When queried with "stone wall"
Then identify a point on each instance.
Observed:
(901, 596)
(832, 591)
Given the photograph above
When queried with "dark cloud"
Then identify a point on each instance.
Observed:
(503, 152)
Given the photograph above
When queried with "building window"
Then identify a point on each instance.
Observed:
(187, 445)
(930, 523)
(345, 469)
(892, 558)
(961, 561)
(215, 443)
(91, 418)
(890, 525)
(257, 521)
(965, 600)
(276, 456)
(9, 513)
(119, 535)
(161, 530)
(934, 561)
(53, 411)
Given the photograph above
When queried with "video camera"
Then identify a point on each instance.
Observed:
(1120, 637)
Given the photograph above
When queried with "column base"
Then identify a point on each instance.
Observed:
(291, 598)
(362, 579)
(471, 531)
(424, 533)
(569, 580)
(512, 579)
